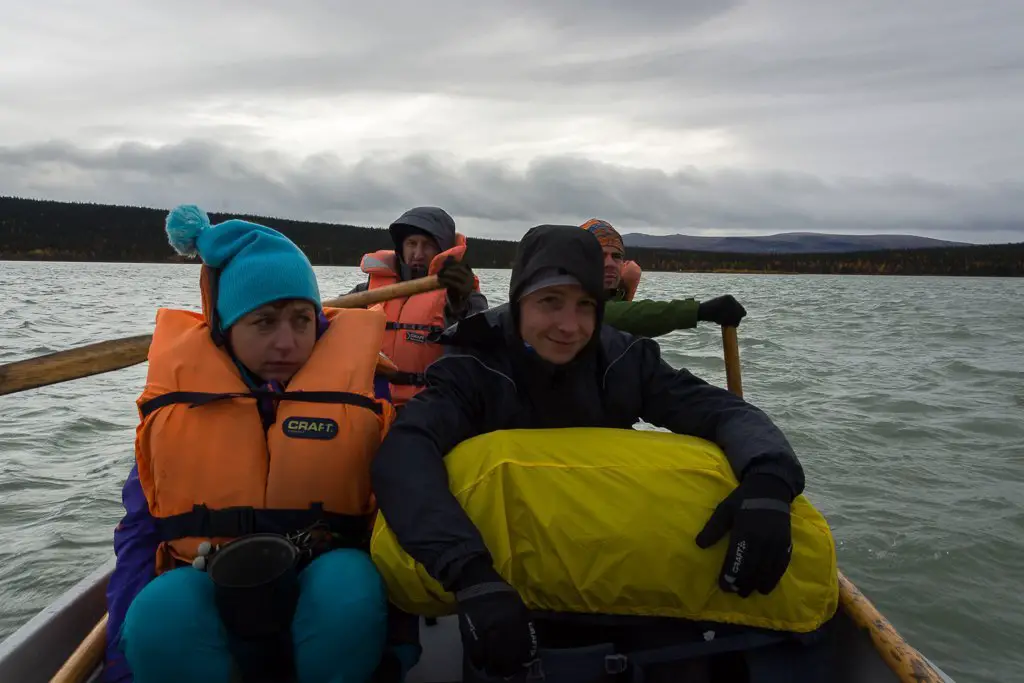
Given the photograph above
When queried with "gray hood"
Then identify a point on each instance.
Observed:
(429, 219)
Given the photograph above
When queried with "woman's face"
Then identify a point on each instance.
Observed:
(557, 321)
(275, 340)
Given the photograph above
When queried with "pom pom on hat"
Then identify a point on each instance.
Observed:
(256, 264)
(184, 226)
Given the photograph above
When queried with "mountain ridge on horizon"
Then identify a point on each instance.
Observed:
(787, 242)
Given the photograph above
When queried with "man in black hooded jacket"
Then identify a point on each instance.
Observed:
(493, 379)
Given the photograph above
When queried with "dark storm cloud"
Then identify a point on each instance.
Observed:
(492, 198)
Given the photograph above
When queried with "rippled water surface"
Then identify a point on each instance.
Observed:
(904, 398)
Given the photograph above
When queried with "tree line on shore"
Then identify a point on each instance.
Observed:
(67, 231)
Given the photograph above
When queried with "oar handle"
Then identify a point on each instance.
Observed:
(95, 359)
(731, 347)
(382, 294)
(86, 657)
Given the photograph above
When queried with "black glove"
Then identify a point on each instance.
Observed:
(723, 310)
(756, 514)
(497, 631)
(457, 277)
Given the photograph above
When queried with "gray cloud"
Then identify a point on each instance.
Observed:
(700, 116)
(493, 199)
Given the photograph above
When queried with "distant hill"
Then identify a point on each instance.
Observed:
(38, 230)
(787, 243)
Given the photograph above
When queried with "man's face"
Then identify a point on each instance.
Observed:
(612, 267)
(418, 251)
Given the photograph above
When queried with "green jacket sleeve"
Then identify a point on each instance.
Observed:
(647, 318)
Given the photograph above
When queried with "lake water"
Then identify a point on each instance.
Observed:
(904, 398)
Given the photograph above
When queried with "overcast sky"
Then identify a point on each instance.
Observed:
(693, 116)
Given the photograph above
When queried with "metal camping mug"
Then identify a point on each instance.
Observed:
(256, 585)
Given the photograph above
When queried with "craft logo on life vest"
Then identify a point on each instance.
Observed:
(416, 337)
(310, 428)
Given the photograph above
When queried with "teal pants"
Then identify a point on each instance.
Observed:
(172, 631)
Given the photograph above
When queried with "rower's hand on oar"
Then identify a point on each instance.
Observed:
(757, 517)
(722, 310)
(457, 278)
(497, 632)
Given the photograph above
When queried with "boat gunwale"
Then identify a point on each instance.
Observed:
(44, 642)
(70, 617)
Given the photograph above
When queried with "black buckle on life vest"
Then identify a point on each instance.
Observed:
(232, 522)
(203, 521)
(401, 377)
(416, 327)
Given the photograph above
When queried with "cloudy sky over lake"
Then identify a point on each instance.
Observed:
(693, 116)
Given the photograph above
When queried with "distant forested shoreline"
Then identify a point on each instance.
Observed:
(40, 230)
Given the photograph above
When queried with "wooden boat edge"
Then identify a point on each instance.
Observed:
(42, 644)
(46, 640)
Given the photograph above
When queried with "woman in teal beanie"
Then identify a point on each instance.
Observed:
(302, 465)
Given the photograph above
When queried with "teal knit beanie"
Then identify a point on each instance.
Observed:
(256, 264)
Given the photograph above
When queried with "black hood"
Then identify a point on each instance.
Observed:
(565, 247)
(431, 220)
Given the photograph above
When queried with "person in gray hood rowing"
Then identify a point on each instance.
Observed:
(426, 243)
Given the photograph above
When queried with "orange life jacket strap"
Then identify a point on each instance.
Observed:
(201, 398)
(234, 522)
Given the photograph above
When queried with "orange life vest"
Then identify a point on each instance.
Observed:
(630, 279)
(208, 468)
(413, 322)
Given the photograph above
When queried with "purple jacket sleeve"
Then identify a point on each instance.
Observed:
(382, 388)
(135, 544)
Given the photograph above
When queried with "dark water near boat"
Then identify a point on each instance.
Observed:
(903, 396)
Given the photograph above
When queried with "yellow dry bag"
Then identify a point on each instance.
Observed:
(603, 521)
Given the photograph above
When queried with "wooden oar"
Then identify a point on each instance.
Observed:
(86, 657)
(907, 663)
(731, 348)
(95, 359)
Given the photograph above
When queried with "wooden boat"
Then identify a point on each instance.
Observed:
(64, 643)
(64, 639)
